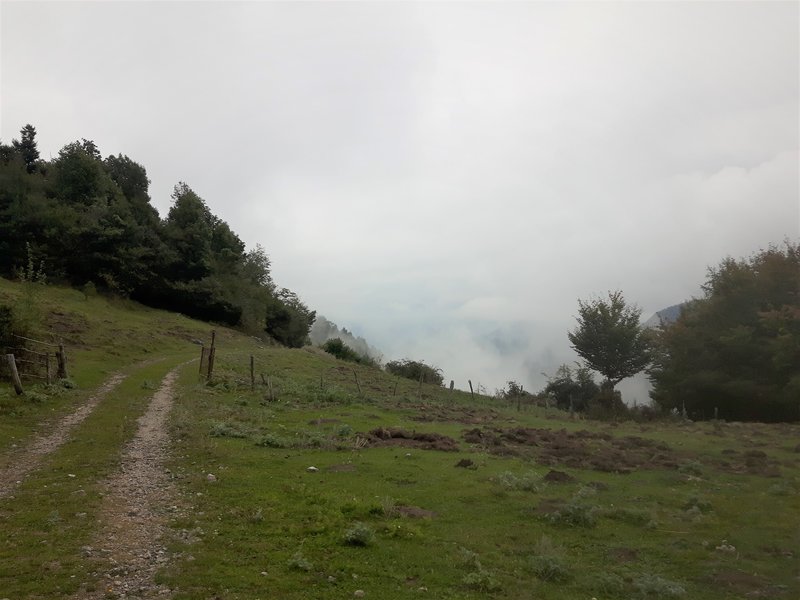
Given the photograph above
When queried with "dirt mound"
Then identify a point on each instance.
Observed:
(580, 449)
(394, 436)
(559, 477)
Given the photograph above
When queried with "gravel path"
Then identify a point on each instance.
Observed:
(30, 457)
(135, 508)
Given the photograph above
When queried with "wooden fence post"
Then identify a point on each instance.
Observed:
(252, 373)
(202, 359)
(358, 385)
(12, 367)
(471, 392)
(211, 354)
(61, 356)
(396, 381)
(48, 374)
(452, 384)
(421, 377)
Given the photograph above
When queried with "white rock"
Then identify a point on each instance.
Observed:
(359, 594)
(211, 477)
(312, 469)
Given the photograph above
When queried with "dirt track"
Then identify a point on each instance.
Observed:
(30, 457)
(138, 499)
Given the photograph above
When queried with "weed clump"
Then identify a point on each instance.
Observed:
(360, 534)
(574, 514)
(298, 562)
(653, 586)
(222, 429)
(478, 578)
(529, 482)
(548, 562)
(482, 581)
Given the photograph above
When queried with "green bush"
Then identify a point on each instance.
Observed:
(360, 534)
(342, 351)
(574, 515)
(413, 369)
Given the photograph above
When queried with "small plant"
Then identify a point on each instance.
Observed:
(548, 562)
(298, 562)
(574, 514)
(482, 581)
(607, 584)
(221, 429)
(692, 467)
(270, 440)
(388, 507)
(360, 534)
(344, 431)
(529, 482)
(147, 384)
(653, 586)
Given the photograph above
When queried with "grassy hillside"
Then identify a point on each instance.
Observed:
(412, 493)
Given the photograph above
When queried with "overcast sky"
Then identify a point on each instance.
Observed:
(444, 179)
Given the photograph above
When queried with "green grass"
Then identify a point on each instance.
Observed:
(268, 527)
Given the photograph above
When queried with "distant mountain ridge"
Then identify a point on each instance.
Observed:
(665, 316)
(323, 330)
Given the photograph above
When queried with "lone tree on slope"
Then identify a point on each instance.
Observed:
(610, 339)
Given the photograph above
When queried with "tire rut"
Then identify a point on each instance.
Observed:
(24, 461)
(132, 520)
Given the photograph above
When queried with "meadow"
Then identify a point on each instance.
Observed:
(326, 479)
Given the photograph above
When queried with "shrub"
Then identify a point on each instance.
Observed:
(342, 351)
(482, 581)
(529, 482)
(360, 534)
(574, 514)
(221, 429)
(412, 369)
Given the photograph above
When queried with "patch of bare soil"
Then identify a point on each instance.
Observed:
(623, 554)
(559, 477)
(410, 439)
(69, 326)
(133, 518)
(752, 462)
(577, 449)
(745, 584)
(455, 414)
(30, 457)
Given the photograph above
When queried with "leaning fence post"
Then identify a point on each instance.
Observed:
(202, 359)
(358, 385)
(471, 392)
(12, 366)
(61, 356)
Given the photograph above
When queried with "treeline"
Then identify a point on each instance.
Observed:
(89, 219)
(736, 350)
(732, 354)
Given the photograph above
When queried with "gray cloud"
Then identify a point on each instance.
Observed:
(446, 179)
